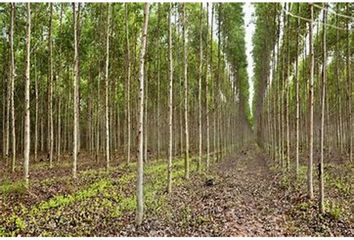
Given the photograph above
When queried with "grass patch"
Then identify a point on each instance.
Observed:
(334, 210)
(18, 187)
(62, 201)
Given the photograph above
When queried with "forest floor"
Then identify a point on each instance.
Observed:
(243, 195)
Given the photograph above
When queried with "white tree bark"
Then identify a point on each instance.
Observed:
(323, 101)
(200, 89)
(27, 140)
(311, 96)
(140, 196)
(76, 92)
(50, 91)
(107, 85)
(170, 102)
(207, 100)
(128, 85)
(12, 86)
(185, 74)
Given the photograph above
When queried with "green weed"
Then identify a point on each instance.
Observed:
(334, 210)
(62, 201)
(18, 187)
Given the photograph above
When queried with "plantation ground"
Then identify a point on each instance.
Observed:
(246, 197)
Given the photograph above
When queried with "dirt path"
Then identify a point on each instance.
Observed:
(242, 202)
(246, 199)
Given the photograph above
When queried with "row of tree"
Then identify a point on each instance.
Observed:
(303, 74)
(96, 77)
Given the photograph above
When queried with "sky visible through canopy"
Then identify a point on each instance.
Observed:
(248, 10)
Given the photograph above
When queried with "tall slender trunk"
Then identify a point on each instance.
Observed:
(350, 86)
(158, 84)
(107, 85)
(128, 85)
(200, 88)
(297, 88)
(311, 96)
(76, 92)
(339, 98)
(218, 89)
(50, 90)
(59, 95)
(12, 86)
(170, 99)
(27, 139)
(323, 100)
(287, 94)
(185, 74)
(207, 98)
(140, 172)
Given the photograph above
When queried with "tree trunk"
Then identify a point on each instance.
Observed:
(50, 91)
(200, 87)
(311, 96)
(207, 98)
(140, 196)
(185, 74)
(350, 92)
(297, 88)
(323, 98)
(27, 140)
(158, 84)
(76, 92)
(12, 86)
(107, 85)
(170, 99)
(128, 85)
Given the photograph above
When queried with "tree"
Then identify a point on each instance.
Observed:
(207, 98)
(107, 85)
(127, 83)
(323, 101)
(350, 86)
(50, 90)
(297, 83)
(170, 102)
(27, 140)
(76, 91)
(140, 196)
(185, 75)
(200, 88)
(311, 103)
(36, 110)
(12, 85)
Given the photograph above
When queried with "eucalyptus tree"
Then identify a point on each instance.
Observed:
(311, 107)
(27, 135)
(107, 86)
(140, 197)
(185, 77)
(50, 129)
(350, 84)
(128, 69)
(207, 141)
(323, 101)
(12, 84)
(170, 102)
(200, 134)
(76, 90)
